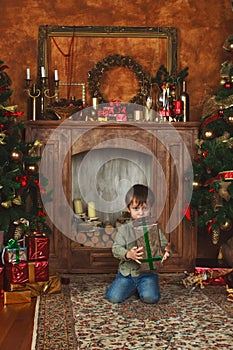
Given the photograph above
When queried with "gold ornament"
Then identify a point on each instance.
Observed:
(6, 204)
(230, 119)
(216, 201)
(224, 137)
(22, 221)
(220, 255)
(9, 108)
(215, 236)
(18, 234)
(32, 169)
(16, 155)
(17, 200)
(223, 190)
(196, 185)
(209, 134)
(222, 81)
(2, 137)
(227, 226)
(36, 144)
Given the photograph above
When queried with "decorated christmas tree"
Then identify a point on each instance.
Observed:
(21, 192)
(213, 165)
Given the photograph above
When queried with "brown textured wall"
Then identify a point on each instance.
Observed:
(202, 25)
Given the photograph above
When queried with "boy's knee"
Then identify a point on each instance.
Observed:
(113, 299)
(150, 299)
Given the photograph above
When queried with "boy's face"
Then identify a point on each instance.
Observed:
(138, 211)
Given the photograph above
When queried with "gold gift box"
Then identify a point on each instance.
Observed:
(17, 297)
(53, 285)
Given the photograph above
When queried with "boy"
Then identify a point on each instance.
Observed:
(129, 280)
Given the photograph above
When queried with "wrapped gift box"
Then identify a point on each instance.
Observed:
(17, 297)
(121, 117)
(24, 272)
(147, 236)
(15, 255)
(53, 285)
(215, 275)
(37, 248)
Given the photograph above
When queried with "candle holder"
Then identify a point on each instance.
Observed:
(45, 93)
(34, 92)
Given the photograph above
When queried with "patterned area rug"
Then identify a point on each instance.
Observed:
(80, 318)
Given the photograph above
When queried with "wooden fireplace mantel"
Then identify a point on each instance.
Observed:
(69, 256)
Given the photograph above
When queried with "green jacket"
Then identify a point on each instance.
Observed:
(124, 241)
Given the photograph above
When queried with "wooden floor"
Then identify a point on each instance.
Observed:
(16, 325)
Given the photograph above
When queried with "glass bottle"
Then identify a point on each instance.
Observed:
(184, 96)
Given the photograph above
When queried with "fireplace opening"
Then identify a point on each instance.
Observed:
(103, 176)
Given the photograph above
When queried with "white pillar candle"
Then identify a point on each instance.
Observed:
(42, 72)
(94, 102)
(78, 208)
(91, 210)
(137, 115)
(28, 73)
(56, 75)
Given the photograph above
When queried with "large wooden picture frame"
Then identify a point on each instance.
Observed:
(75, 50)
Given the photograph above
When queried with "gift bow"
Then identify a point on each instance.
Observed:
(12, 244)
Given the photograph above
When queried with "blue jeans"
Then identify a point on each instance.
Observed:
(123, 287)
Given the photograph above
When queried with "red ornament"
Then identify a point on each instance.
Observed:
(210, 223)
(37, 182)
(41, 214)
(227, 85)
(204, 154)
(221, 112)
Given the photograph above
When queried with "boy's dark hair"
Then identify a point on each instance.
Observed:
(141, 194)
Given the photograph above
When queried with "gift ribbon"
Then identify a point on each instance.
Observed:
(226, 175)
(12, 244)
(150, 259)
(31, 272)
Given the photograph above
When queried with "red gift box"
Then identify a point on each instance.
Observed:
(215, 275)
(25, 272)
(121, 117)
(38, 248)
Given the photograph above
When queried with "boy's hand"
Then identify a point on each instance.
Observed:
(135, 254)
(167, 252)
(165, 256)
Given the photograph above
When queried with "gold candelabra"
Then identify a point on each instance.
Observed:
(43, 92)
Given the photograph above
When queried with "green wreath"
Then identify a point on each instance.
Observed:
(109, 62)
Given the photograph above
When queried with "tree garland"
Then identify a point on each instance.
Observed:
(109, 62)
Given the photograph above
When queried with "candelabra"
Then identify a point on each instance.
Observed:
(43, 92)
(33, 93)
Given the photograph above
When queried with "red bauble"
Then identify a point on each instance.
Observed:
(204, 153)
(227, 85)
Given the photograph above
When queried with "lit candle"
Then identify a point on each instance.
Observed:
(42, 72)
(78, 208)
(56, 75)
(28, 73)
(91, 210)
